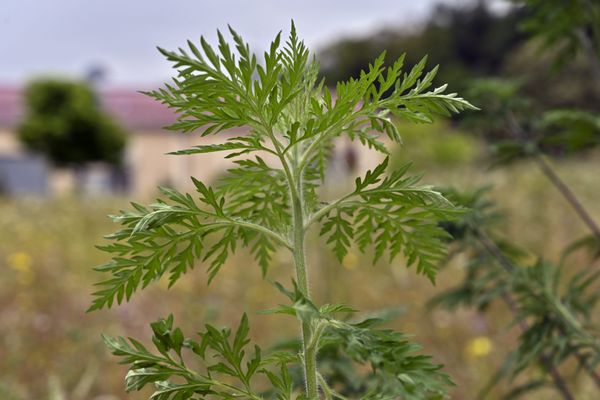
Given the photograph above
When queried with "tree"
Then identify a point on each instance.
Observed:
(472, 40)
(468, 40)
(65, 123)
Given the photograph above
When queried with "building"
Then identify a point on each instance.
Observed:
(146, 163)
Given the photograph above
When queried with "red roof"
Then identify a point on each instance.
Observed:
(11, 106)
(132, 109)
(136, 110)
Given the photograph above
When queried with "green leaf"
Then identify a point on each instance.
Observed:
(392, 213)
(340, 232)
(170, 238)
(229, 367)
(397, 372)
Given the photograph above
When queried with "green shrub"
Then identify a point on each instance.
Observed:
(65, 123)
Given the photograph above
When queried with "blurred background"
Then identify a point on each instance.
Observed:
(78, 141)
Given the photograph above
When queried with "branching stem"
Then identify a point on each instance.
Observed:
(309, 352)
(258, 228)
(295, 183)
(491, 247)
(324, 210)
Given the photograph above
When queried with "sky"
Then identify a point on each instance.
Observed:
(69, 37)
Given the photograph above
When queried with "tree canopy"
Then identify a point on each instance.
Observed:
(474, 40)
(64, 121)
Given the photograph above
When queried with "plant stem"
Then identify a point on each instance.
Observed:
(309, 352)
(588, 47)
(521, 134)
(559, 382)
(491, 247)
(293, 174)
(567, 194)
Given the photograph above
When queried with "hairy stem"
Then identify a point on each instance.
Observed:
(309, 352)
(293, 174)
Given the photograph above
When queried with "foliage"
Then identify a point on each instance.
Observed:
(573, 25)
(395, 215)
(56, 288)
(470, 40)
(65, 123)
(292, 118)
(473, 39)
(553, 309)
(552, 301)
(518, 128)
(224, 356)
(437, 145)
(529, 116)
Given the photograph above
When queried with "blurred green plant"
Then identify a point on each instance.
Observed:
(436, 145)
(475, 39)
(293, 119)
(64, 122)
(552, 302)
(572, 26)
(470, 39)
(522, 134)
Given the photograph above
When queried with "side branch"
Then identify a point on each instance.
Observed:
(324, 210)
(488, 244)
(284, 164)
(250, 225)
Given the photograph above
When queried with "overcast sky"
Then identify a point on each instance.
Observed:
(70, 36)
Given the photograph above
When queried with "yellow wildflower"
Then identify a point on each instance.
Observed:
(479, 346)
(21, 263)
(350, 261)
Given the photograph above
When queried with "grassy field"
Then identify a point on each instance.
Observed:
(51, 349)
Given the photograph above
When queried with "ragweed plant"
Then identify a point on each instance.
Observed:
(293, 118)
(553, 303)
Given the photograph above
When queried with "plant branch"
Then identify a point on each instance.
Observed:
(317, 332)
(268, 129)
(313, 145)
(489, 245)
(213, 382)
(339, 126)
(253, 226)
(309, 353)
(329, 392)
(567, 194)
(590, 52)
(562, 187)
(557, 378)
(324, 210)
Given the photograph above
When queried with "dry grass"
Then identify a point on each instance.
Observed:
(50, 349)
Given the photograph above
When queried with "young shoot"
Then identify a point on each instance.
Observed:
(291, 116)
